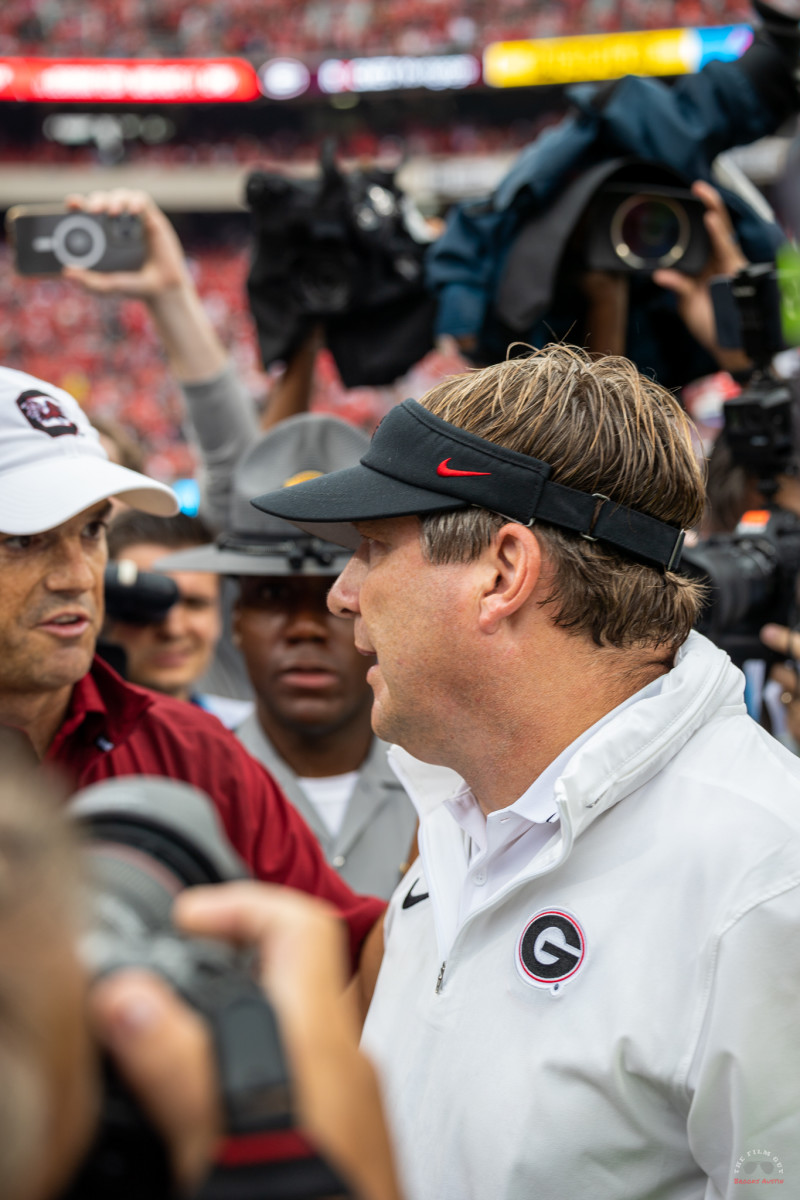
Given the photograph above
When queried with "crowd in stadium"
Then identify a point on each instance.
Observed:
(258, 28)
(116, 366)
(288, 146)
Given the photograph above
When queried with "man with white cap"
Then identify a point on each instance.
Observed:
(311, 722)
(55, 488)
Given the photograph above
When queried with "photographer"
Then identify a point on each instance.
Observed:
(218, 407)
(514, 267)
(221, 413)
(52, 1023)
(170, 653)
(749, 557)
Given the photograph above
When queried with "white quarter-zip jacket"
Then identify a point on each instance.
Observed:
(620, 1020)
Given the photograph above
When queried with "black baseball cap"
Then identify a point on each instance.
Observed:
(418, 463)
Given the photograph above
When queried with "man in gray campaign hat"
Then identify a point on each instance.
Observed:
(311, 721)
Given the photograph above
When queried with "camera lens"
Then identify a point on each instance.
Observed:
(78, 241)
(137, 597)
(649, 232)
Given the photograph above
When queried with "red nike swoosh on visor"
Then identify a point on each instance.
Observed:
(443, 469)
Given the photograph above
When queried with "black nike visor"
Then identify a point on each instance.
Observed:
(417, 463)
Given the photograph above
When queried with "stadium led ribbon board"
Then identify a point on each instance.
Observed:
(610, 55)
(128, 80)
(505, 65)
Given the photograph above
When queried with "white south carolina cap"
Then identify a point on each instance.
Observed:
(52, 465)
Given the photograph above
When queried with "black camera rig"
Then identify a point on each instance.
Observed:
(145, 840)
(338, 250)
(751, 574)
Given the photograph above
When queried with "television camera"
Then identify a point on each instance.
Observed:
(752, 574)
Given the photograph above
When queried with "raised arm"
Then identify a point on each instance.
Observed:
(219, 409)
(291, 393)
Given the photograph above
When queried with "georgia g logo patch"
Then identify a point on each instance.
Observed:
(551, 949)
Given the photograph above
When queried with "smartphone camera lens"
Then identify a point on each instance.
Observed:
(79, 241)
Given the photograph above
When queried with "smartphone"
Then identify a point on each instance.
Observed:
(45, 239)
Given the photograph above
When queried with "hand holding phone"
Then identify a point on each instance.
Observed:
(46, 239)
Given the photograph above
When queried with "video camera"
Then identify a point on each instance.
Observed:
(338, 250)
(137, 597)
(640, 225)
(751, 577)
(623, 215)
(752, 574)
(146, 840)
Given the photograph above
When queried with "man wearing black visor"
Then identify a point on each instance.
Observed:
(591, 972)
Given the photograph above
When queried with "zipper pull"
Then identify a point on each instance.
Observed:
(440, 980)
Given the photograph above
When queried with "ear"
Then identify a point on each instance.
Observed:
(236, 615)
(514, 567)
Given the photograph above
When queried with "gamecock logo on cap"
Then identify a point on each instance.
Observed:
(44, 413)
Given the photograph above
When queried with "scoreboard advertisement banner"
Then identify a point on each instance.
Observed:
(517, 64)
(128, 81)
(599, 57)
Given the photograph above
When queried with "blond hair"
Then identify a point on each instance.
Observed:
(603, 428)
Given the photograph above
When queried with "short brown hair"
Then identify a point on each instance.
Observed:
(603, 428)
(731, 490)
(134, 528)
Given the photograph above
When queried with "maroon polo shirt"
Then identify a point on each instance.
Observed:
(114, 728)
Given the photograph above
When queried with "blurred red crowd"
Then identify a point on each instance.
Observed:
(255, 28)
(105, 353)
(287, 146)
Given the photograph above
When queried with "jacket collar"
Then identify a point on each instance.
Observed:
(627, 754)
(623, 755)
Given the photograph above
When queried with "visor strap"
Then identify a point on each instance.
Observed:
(599, 519)
(419, 449)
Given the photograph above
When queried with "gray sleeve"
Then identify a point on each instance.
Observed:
(223, 422)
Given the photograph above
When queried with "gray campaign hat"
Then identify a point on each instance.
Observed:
(254, 543)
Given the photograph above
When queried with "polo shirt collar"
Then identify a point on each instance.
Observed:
(103, 707)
